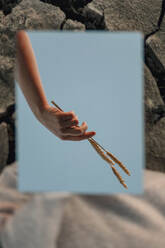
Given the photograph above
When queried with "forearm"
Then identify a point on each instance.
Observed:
(27, 75)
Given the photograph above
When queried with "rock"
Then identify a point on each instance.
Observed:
(6, 69)
(4, 147)
(155, 148)
(152, 99)
(152, 95)
(7, 5)
(11, 108)
(157, 43)
(73, 25)
(1, 20)
(130, 14)
(7, 95)
(7, 61)
(14, 117)
(155, 136)
(3, 114)
(79, 11)
(6, 114)
(11, 138)
(156, 57)
(7, 42)
(154, 133)
(93, 18)
(33, 14)
(9, 176)
(7, 117)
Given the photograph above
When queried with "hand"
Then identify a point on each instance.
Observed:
(64, 124)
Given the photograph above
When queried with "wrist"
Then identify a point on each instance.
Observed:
(39, 111)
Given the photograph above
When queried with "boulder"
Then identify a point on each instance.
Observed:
(9, 176)
(152, 98)
(7, 42)
(4, 147)
(34, 14)
(154, 132)
(7, 95)
(155, 148)
(6, 69)
(156, 57)
(152, 94)
(7, 5)
(73, 25)
(129, 14)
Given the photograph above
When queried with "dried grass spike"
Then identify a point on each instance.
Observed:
(119, 177)
(56, 106)
(118, 162)
(100, 152)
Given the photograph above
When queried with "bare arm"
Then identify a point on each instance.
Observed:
(27, 75)
(62, 124)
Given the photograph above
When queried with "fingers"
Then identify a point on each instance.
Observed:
(64, 116)
(75, 130)
(69, 123)
(67, 119)
(69, 127)
(86, 135)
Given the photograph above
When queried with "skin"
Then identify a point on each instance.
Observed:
(63, 124)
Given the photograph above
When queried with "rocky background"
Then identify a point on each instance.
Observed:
(146, 16)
